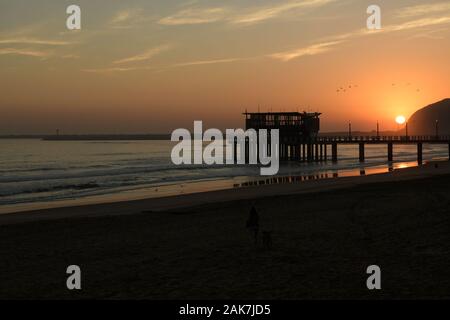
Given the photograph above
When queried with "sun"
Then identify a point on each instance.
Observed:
(400, 119)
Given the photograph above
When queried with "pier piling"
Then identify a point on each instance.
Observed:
(334, 151)
(390, 151)
(316, 158)
(419, 153)
(361, 152)
(309, 152)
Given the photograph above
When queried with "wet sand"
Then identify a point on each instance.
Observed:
(325, 233)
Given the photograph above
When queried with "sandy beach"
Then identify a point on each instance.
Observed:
(325, 233)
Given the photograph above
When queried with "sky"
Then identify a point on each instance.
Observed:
(151, 66)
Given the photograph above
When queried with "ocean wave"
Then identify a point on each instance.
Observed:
(39, 189)
(114, 170)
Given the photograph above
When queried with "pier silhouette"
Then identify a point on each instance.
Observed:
(300, 139)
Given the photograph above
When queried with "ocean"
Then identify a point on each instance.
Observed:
(34, 171)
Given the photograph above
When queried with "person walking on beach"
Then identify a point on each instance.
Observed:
(253, 223)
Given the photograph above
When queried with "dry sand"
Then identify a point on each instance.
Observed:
(325, 234)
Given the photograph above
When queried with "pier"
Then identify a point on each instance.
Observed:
(300, 139)
(316, 149)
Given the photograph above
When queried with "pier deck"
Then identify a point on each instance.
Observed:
(316, 149)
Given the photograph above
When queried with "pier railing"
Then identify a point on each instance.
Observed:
(383, 139)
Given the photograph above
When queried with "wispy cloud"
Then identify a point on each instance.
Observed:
(235, 15)
(432, 34)
(424, 9)
(271, 12)
(24, 52)
(110, 70)
(128, 18)
(330, 43)
(163, 68)
(147, 55)
(70, 56)
(34, 41)
(419, 23)
(306, 51)
(34, 46)
(206, 62)
(123, 16)
(194, 16)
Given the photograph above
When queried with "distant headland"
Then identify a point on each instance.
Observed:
(432, 118)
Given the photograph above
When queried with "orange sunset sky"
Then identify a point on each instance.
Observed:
(153, 66)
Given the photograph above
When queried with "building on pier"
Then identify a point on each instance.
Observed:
(291, 125)
(297, 131)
